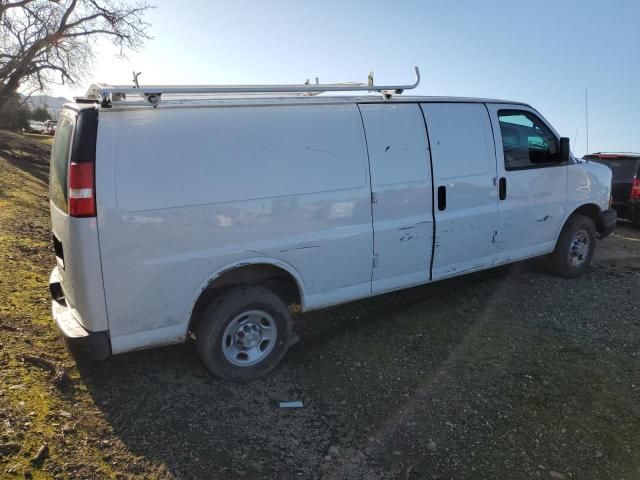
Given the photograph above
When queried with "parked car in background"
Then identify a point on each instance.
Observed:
(625, 189)
(35, 127)
(50, 127)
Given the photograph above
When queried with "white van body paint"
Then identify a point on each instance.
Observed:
(339, 192)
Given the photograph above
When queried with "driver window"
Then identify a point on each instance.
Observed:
(526, 140)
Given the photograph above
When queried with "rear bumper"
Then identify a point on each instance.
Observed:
(81, 343)
(607, 222)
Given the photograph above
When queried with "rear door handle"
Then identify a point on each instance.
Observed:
(502, 188)
(442, 197)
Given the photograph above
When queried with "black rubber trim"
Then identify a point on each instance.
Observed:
(87, 346)
(95, 346)
(502, 188)
(55, 289)
(442, 198)
(433, 192)
(607, 222)
(85, 136)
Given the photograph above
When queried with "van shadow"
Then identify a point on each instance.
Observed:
(30, 164)
(27, 154)
(164, 406)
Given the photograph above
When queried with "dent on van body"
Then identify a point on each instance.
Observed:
(588, 183)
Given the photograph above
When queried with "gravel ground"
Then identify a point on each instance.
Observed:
(505, 374)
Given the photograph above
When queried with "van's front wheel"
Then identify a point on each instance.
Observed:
(244, 333)
(575, 248)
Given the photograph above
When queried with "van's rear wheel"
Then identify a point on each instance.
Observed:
(575, 248)
(244, 333)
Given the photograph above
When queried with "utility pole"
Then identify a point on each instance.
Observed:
(586, 115)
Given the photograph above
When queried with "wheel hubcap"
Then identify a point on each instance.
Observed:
(579, 248)
(249, 338)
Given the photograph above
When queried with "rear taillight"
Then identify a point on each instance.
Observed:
(82, 198)
(635, 189)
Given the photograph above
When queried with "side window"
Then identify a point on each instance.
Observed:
(526, 140)
(60, 162)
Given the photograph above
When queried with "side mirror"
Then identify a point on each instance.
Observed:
(564, 150)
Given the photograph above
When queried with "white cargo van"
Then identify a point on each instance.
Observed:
(208, 216)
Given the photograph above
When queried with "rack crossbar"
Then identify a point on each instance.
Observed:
(152, 93)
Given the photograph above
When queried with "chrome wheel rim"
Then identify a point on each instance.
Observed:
(249, 338)
(579, 248)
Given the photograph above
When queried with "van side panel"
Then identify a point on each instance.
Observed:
(187, 193)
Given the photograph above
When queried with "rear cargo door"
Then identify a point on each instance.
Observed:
(402, 204)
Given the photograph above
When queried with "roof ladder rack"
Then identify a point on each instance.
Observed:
(152, 94)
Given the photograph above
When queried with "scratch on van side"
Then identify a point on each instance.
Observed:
(255, 251)
(299, 248)
(321, 151)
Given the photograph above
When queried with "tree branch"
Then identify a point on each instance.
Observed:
(49, 41)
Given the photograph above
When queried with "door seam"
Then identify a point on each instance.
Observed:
(496, 181)
(433, 199)
(373, 230)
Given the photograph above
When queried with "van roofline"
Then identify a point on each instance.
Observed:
(263, 100)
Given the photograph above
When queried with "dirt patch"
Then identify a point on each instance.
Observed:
(510, 373)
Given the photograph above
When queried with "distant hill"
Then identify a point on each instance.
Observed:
(53, 104)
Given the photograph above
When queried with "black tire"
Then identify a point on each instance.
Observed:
(229, 307)
(559, 261)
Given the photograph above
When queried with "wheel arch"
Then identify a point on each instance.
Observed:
(277, 276)
(592, 211)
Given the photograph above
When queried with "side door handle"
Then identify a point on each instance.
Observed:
(502, 188)
(442, 197)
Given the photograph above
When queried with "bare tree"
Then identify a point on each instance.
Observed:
(51, 41)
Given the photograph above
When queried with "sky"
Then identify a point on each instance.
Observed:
(545, 53)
